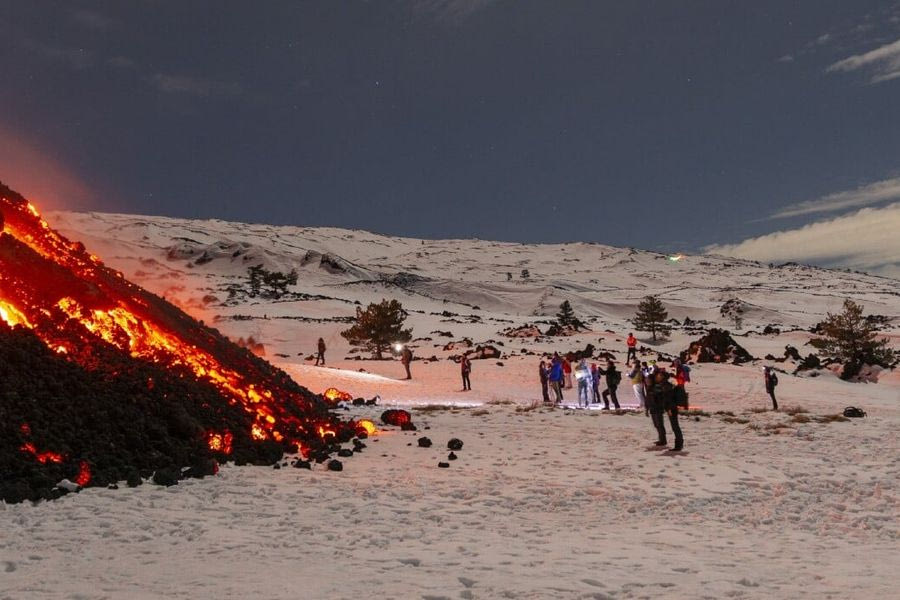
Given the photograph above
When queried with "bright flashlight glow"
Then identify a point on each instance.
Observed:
(398, 347)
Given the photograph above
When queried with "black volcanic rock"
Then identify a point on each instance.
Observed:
(424, 442)
(717, 346)
(455, 444)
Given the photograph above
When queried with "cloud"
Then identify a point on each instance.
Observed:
(866, 241)
(873, 193)
(76, 58)
(193, 86)
(92, 20)
(35, 173)
(121, 62)
(449, 11)
(882, 63)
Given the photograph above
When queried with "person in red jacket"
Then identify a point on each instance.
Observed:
(632, 348)
(567, 372)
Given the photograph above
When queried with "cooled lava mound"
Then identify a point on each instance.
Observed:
(717, 346)
(102, 381)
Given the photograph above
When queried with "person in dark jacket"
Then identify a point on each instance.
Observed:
(406, 356)
(544, 374)
(613, 378)
(465, 366)
(660, 400)
(771, 382)
(320, 352)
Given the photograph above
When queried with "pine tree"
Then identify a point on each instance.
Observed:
(379, 326)
(566, 316)
(651, 316)
(734, 310)
(850, 338)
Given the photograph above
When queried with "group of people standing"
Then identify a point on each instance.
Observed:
(652, 385)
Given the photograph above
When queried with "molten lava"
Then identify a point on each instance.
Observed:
(74, 304)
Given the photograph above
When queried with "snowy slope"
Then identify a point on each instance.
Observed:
(542, 502)
(193, 263)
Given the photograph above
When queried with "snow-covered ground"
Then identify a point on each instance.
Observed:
(541, 502)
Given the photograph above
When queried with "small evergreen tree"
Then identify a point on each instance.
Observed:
(566, 316)
(379, 326)
(270, 284)
(850, 338)
(734, 310)
(651, 316)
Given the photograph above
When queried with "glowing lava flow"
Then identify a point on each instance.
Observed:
(71, 301)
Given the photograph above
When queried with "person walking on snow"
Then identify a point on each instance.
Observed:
(320, 355)
(613, 378)
(771, 381)
(544, 374)
(632, 348)
(465, 366)
(583, 375)
(406, 357)
(662, 400)
(595, 384)
(567, 372)
(636, 376)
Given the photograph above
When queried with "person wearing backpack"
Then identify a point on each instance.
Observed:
(771, 381)
(465, 366)
(661, 399)
(613, 378)
(636, 376)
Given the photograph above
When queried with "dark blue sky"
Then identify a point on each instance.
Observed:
(668, 125)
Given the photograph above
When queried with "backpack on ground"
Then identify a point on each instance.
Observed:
(853, 412)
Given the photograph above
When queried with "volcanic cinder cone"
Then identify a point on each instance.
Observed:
(91, 318)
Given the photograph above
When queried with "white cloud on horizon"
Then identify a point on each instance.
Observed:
(865, 195)
(866, 240)
(193, 86)
(449, 11)
(883, 63)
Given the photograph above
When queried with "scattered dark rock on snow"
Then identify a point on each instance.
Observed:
(396, 417)
(424, 442)
(455, 444)
(166, 477)
(345, 453)
(302, 464)
(444, 465)
(335, 465)
(452, 456)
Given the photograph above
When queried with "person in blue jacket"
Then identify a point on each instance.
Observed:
(556, 378)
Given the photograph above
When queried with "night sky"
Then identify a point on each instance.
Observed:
(653, 124)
